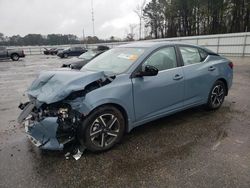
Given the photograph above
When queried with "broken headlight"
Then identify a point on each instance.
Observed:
(63, 113)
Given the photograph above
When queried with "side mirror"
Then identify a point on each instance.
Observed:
(149, 71)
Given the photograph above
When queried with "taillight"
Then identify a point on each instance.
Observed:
(231, 65)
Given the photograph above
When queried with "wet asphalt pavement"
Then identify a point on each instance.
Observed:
(194, 148)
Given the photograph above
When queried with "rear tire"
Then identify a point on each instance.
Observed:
(216, 95)
(15, 57)
(102, 129)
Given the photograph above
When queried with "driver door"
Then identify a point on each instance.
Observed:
(158, 95)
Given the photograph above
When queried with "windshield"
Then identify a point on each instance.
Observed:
(116, 60)
(88, 55)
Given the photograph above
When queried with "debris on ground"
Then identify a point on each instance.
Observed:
(67, 155)
(78, 155)
(76, 152)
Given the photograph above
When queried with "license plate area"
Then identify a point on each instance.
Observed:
(27, 123)
(34, 141)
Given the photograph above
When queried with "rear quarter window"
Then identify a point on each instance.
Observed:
(192, 55)
(203, 54)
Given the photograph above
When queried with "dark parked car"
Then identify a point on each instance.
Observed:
(71, 51)
(121, 89)
(47, 51)
(13, 54)
(52, 51)
(85, 57)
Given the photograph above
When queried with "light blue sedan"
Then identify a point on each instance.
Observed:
(121, 89)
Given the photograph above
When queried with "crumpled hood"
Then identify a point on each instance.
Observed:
(53, 86)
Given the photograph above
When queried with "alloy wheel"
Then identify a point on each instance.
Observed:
(15, 57)
(104, 130)
(217, 96)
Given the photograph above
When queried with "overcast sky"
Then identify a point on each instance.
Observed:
(112, 17)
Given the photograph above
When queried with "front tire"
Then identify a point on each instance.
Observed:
(216, 95)
(65, 55)
(15, 57)
(102, 129)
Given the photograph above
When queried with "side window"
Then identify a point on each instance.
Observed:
(192, 55)
(162, 59)
(78, 49)
(203, 54)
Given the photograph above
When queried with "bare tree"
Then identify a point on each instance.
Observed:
(131, 34)
(139, 11)
(132, 28)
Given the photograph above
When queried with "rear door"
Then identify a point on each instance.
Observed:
(199, 74)
(72, 51)
(157, 95)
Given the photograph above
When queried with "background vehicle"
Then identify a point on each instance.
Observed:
(14, 54)
(72, 51)
(121, 89)
(52, 51)
(83, 59)
(47, 51)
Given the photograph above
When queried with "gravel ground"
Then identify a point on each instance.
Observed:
(194, 148)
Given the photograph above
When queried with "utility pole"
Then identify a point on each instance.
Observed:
(83, 36)
(93, 20)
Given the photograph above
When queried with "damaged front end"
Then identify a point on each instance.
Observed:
(57, 107)
(50, 126)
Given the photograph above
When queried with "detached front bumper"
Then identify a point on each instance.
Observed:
(47, 132)
(43, 134)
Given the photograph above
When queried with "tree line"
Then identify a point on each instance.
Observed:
(173, 18)
(38, 39)
(51, 39)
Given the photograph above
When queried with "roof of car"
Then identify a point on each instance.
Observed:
(149, 44)
(156, 44)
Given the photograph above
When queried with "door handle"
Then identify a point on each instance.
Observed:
(212, 68)
(177, 77)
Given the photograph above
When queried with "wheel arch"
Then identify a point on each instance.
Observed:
(225, 83)
(14, 53)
